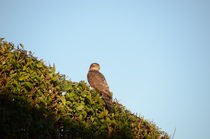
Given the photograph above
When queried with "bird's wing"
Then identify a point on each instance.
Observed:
(97, 81)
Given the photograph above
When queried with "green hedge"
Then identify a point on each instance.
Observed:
(37, 102)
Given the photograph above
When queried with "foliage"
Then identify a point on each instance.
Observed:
(37, 102)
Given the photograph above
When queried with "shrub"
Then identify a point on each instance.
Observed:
(37, 102)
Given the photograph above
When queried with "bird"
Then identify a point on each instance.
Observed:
(97, 81)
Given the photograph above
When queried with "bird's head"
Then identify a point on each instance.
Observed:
(94, 66)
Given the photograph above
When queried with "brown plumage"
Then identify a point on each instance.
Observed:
(98, 82)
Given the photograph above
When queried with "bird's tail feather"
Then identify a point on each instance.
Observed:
(107, 97)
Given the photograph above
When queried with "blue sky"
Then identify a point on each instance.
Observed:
(155, 54)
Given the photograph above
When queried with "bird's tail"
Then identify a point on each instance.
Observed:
(107, 97)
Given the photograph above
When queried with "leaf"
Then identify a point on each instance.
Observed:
(53, 69)
(27, 84)
(70, 95)
(21, 45)
(91, 118)
(67, 86)
(63, 100)
(80, 117)
(80, 107)
(22, 78)
(39, 65)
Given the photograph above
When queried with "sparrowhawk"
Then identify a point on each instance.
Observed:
(98, 82)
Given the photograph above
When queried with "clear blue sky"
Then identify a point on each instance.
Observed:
(155, 54)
